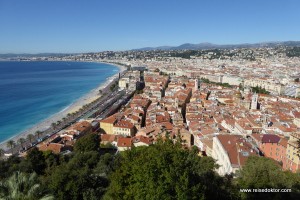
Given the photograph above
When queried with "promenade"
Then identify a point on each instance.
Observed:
(89, 102)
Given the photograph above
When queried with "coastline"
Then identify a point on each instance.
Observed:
(73, 107)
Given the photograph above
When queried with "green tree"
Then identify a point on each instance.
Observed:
(21, 186)
(8, 166)
(30, 137)
(1, 152)
(53, 125)
(241, 87)
(205, 80)
(51, 161)
(260, 172)
(21, 141)
(76, 179)
(36, 160)
(260, 90)
(165, 171)
(10, 144)
(105, 165)
(89, 142)
(38, 134)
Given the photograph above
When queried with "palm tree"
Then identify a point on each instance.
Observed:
(53, 125)
(30, 137)
(73, 115)
(21, 141)
(10, 144)
(38, 133)
(23, 186)
(1, 152)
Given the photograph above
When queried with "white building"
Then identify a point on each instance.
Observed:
(232, 80)
(230, 153)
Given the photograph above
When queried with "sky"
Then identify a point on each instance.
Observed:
(76, 26)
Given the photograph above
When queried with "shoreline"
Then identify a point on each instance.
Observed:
(73, 107)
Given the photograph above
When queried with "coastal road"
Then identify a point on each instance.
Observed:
(108, 96)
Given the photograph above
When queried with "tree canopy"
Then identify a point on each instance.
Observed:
(36, 160)
(260, 90)
(89, 142)
(261, 173)
(21, 186)
(160, 171)
(165, 171)
(76, 179)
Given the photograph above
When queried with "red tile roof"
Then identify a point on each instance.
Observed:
(124, 142)
(124, 124)
(237, 148)
(108, 137)
(111, 119)
(54, 147)
(142, 139)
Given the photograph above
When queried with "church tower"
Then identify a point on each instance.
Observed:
(197, 84)
(254, 101)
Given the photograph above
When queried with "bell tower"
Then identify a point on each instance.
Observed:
(254, 101)
(197, 84)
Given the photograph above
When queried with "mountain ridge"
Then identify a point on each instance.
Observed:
(207, 45)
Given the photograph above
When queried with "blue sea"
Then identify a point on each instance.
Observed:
(30, 92)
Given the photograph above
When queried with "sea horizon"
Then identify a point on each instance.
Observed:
(34, 91)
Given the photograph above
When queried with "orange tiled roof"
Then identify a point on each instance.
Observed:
(235, 145)
(124, 124)
(124, 142)
(54, 147)
(143, 139)
(112, 119)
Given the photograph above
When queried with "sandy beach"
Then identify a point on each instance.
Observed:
(87, 98)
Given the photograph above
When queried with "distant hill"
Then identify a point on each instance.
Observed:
(200, 46)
